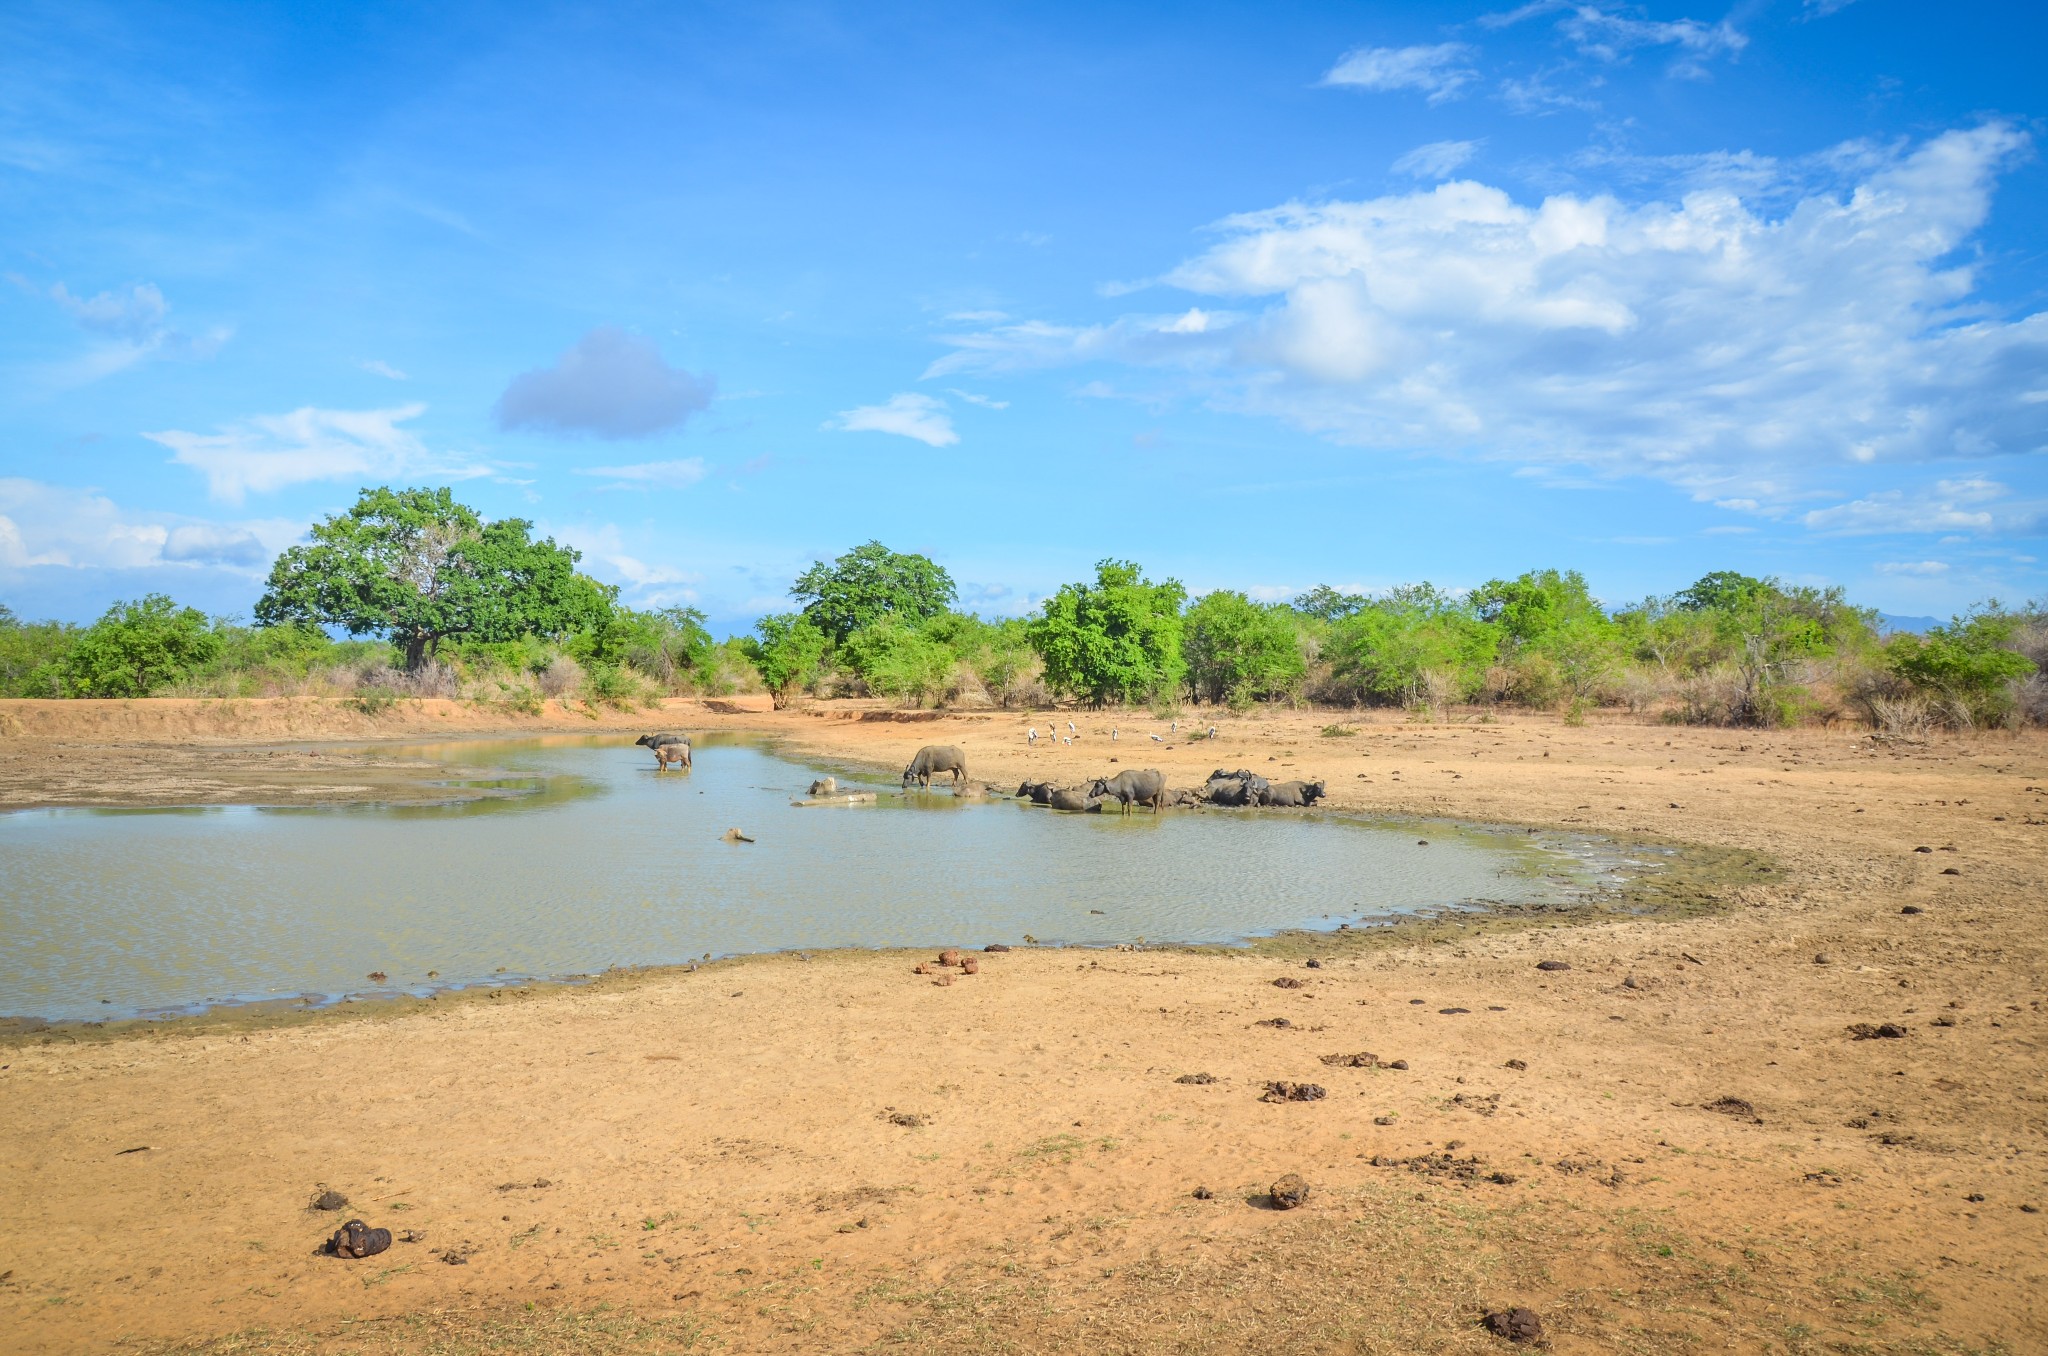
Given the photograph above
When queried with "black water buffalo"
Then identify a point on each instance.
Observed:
(1242, 787)
(667, 748)
(936, 758)
(1293, 794)
(1132, 788)
(1038, 793)
(1075, 798)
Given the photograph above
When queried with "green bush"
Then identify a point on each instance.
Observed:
(1116, 640)
(137, 648)
(1967, 666)
(1239, 652)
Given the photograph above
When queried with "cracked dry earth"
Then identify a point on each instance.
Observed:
(1679, 1143)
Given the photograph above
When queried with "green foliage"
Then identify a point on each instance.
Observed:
(1240, 652)
(668, 645)
(899, 660)
(1326, 604)
(31, 655)
(137, 648)
(1969, 664)
(1418, 644)
(787, 650)
(1118, 639)
(868, 583)
(420, 568)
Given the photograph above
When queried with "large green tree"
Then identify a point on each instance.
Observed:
(787, 649)
(1238, 651)
(1118, 639)
(869, 583)
(419, 568)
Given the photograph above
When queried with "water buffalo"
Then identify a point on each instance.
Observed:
(1038, 793)
(1242, 787)
(667, 748)
(1075, 798)
(936, 758)
(1294, 794)
(825, 786)
(1133, 787)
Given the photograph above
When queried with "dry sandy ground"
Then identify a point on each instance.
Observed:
(714, 1160)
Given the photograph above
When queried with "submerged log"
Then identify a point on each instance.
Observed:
(846, 798)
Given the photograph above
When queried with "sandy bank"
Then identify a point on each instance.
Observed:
(724, 1158)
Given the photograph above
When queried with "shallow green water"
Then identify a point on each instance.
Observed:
(605, 862)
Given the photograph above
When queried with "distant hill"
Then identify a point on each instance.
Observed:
(1919, 626)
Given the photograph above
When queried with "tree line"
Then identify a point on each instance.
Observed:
(431, 599)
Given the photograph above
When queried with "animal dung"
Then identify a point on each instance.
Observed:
(1553, 965)
(970, 966)
(1289, 1193)
(1516, 1325)
(949, 957)
(1287, 982)
(1283, 1091)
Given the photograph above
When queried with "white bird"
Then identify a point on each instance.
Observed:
(1173, 728)
(1031, 735)
(1212, 732)
(1071, 729)
(1112, 734)
(1158, 739)
(1066, 739)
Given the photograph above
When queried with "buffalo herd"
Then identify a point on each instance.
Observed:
(1148, 788)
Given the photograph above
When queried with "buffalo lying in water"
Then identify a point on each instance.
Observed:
(1295, 794)
(1075, 798)
(1242, 787)
(1038, 793)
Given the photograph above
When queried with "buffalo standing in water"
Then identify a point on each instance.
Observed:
(935, 758)
(667, 748)
(1128, 788)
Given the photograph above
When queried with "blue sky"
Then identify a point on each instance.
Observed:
(1261, 296)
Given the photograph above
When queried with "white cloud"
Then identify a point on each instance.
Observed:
(271, 451)
(137, 315)
(1726, 347)
(214, 544)
(672, 475)
(1438, 71)
(132, 325)
(909, 414)
(1602, 33)
(56, 526)
(610, 384)
(985, 402)
(1924, 568)
(1436, 159)
(1820, 9)
(643, 584)
(378, 367)
(1973, 505)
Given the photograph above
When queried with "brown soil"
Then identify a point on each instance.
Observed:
(834, 1153)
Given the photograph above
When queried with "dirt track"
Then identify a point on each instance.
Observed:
(722, 1164)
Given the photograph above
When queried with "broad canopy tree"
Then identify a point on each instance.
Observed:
(1117, 639)
(417, 567)
(869, 583)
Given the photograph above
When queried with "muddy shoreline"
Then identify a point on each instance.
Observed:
(1673, 1139)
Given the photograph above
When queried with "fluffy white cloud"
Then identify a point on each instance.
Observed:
(379, 368)
(610, 384)
(1438, 71)
(909, 415)
(672, 475)
(1711, 341)
(131, 326)
(56, 526)
(271, 451)
(1437, 159)
(1970, 505)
